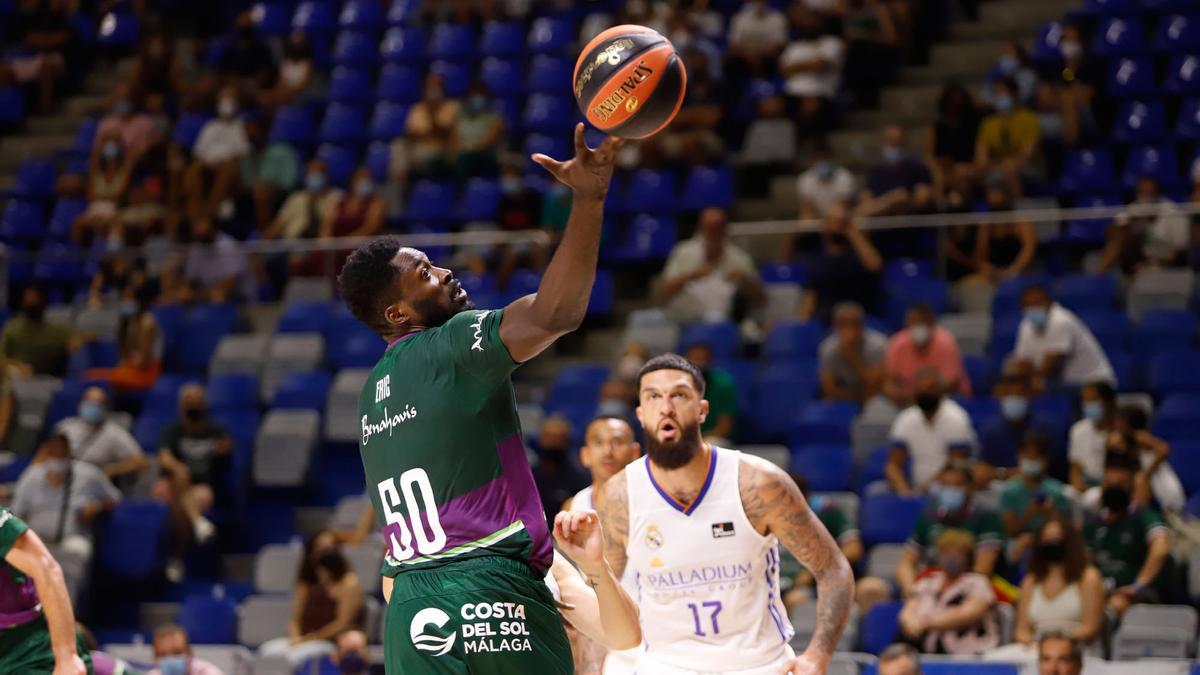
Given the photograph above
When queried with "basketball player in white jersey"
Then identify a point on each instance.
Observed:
(698, 528)
(608, 446)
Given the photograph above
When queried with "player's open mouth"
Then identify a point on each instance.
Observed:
(459, 295)
(667, 430)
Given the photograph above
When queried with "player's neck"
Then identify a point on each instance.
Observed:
(684, 482)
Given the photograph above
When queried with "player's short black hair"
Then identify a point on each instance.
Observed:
(365, 279)
(605, 418)
(671, 361)
(1035, 288)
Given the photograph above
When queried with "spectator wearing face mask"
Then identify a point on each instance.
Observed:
(708, 277)
(1008, 138)
(1003, 250)
(431, 125)
(1030, 497)
(195, 450)
(135, 128)
(213, 268)
(922, 344)
(304, 210)
(247, 59)
(1089, 436)
(222, 142)
(824, 185)
(900, 183)
(478, 133)
(1129, 543)
(351, 657)
(1156, 479)
(932, 432)
(1151, 233)
(950, 610)
(1013, 62)
(360, 213)
(31, 345)
(1002, 436)
(1056, 345)
(1061, 592)
(173, 654)
(720, 392)
(110, 168)
(97, 440)
(851, 357)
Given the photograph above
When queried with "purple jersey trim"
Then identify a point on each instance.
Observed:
(687, 510)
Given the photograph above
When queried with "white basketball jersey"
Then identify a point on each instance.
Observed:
(582, 501)
(707, 582)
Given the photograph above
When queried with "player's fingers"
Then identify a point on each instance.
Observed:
(554, 166)
(581, 146)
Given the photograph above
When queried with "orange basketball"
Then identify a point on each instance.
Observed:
(629, 81)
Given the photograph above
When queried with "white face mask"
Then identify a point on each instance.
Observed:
(227, 107)
(920, 334)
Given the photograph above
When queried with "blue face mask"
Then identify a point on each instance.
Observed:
(122, 108)
(1093, 410)
(1003, 103)
(824, 170)
(816, 503)
(1008, 64)
(91, 412)
(315, 182)
(1037, 316)
(364, 188)
(892, 154)
(1014, 407)
(951, 498)
(173, 665)
(477, 103)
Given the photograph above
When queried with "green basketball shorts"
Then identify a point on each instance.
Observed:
(484, 616)
(26, 649)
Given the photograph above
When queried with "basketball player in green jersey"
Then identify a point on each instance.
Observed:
(467, 541)
(37, 625)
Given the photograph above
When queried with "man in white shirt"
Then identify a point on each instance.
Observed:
(1089, 436)
(824, 185)
(756, 34)
(97, 440)
(932, 432)
(1055, 344)
(219, 147)
(1152, 232)
(812, 63)
(709, 278)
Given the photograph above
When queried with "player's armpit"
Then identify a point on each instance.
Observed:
(613, 510)
(775, 506)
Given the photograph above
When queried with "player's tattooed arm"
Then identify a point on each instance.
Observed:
(613, 510)
(775, 505)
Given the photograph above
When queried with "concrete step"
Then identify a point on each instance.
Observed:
(861, 149)
(1025, 14)
(16, 149)
(911, 100)
(238, 567)
(61, 124)
(84, 105)
(877, 119)
(965, 57)
(156, 614)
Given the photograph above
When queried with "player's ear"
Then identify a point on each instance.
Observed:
(585, 456)
(395, 315)
(703, 410)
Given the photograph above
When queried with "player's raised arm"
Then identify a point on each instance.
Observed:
(602, 609)
(534, 322)
(771, 498)
(31, 557)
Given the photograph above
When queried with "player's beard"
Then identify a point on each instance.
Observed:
(434, 313)
(676, 453)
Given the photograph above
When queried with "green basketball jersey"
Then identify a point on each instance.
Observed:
(441, 448)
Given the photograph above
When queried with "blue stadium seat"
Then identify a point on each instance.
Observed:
(579, 383)
(1110, 326)
(403, 12)
(35, 179)
(648, 238)
(501, 75)
(233, 392)
(1165, 330)
(305, 317)
(59, 264)
(1140, 122)
(315, 17)
(1051, 404)
(1174, 372)
(1160, 163)
(1175, 427)
(352, 345)
(1185, 459)
(1183, 75)
(361, 15)
(794, 339)
(65, 402)
(1164, 6)
(379, 159)
(930, 291)
(303, 390)
(550, 35)
(272, 19)
(203, 328)
(1187, 127)
(1046, 47)
(430, 200)
(1131, 77)
(604, 294)
(403, 45)
(399, 84)
(784, 273)
(549, 114)
(187, 128)
(12, 105)
(547, 74)
(826, 468)
(823, 422)
(778, 395)
(1083, 292)
(1118, 36)
(456, 77)
(85, 133)
(707, 186)
(163, 397)
(504, 39)
(209, 620)
(979, 372)
(555, 146)
(903, 270)
(65, 211)
(475, 284)
(343, 125)
(134, 543)
(118, 29)
(350, 86)
(722, 338)
(294, 125)
(480, 200)
(887, 518)
(388, 121)
(1088, 171)
(340, 161)
(1178, 33)
(358, 50)
(881, 624)
(22, 221)
(453, 42)
(651, 191)
(522, 283)
(980, 407)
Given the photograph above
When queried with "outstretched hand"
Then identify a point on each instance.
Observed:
(589, 172)
(580, 537)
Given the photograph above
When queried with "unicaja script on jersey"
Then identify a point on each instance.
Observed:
(388, 423)
(478, 327)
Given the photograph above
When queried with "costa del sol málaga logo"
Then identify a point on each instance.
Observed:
(425, 642)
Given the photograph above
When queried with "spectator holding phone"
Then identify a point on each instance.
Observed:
(1031, 497)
